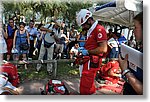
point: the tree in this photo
(65, 10)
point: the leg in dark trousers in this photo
(31, 48)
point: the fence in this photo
(54, 62)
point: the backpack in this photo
(55, 87)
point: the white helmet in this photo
(83, 16)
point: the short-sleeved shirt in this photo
(50, 27)
(32, 31)
(97, 35)
(75, 50)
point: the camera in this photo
(52, 33)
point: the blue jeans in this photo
(114, 53)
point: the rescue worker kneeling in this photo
(92, 52)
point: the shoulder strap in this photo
(7, 28)
(49, 26)
(26, 32)
(16, 27)
(18, 32)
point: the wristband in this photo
(125, 72)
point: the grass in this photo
(64, 71)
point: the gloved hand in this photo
(84, 52)
(80, 49)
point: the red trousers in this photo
(87, 81)
(9, 43)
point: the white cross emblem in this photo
(100, 35)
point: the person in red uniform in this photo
(95, 47)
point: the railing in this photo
(54, 62)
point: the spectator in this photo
(38, 40)
(132, 42)
(74, 51)
(61, 45)
(64, 28)
(109, 34)
(21, 42)
(134, 84)
(3, 46)
(72, 37)
(60, 41)
(82, 38)
(114, 45)
(33, 34)
(49, 36)
(10, 30)
(122, 39)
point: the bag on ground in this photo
(55, 87)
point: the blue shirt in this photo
(32, 32)
(82, 43)
(122, 39)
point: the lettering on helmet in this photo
(87, 15)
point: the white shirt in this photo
(113, 42)
(75, 50)
(50, 28)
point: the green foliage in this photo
(66, 10)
